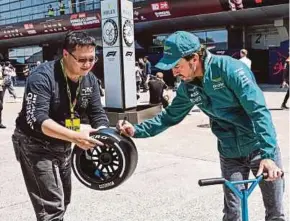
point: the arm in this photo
(241, 81)
(52, 129)
(96, 113)
(172, 115)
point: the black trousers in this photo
(47, 173)
(286, 98)
(1, 105)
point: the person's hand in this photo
(84, 141)
(269, 166)
(284, 84)
(125, 128)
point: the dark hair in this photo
(201, 53)
(7, 63)
(74, 39)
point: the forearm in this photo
(52, 129)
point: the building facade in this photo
(29, 31)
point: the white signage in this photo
(119, 54)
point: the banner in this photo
(78, 21)
(277, 58)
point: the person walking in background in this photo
(244, 58)
(285, 83)
(156, 88)
(138, 73)
(12, 73)
(141, 64)
(147, 72)
(1, 97)
(8, 72)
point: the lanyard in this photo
(73, 103)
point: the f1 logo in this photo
(111, 54)
(129, 54)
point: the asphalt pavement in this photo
(164, 186)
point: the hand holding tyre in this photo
(84, 141)
(105, 167)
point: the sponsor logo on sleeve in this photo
(30, 109)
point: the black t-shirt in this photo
(156, 88)
(46, 97)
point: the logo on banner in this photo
(82, 19)
(111, 54)
(110, 32)
(129, 54)
(128, 33)
(162, 14)
(110, 10)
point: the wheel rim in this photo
(102, 164)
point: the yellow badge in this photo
(73, 124)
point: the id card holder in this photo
(73, 124)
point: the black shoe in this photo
(2, 126)
(284, 107)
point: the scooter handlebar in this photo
(215, 181)
(265, 175)
(211, 181)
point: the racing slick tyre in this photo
(105, 167)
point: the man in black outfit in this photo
(156, 89)
(57, 94)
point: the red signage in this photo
(160, 6)
(70, 22)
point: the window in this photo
(15, 5)
(25, 3)
(15, 13)
(26, 18)
(4, 1)
(217, 36)
(26, 54)
(159, 40)
(13, 20)
(26, 12)
(4, 7)
(5, 15)
(89, 6)
(217, 39)
(36, 2)
(37, 16)
(97, 5)
(201, 36)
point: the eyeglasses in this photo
(83, 61)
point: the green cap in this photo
(177, 46)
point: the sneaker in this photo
(2, 126)
(284, 107)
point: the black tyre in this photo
(108, 166)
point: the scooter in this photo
(242, 194)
